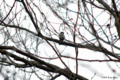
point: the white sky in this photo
(86, 69)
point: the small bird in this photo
(61, 36)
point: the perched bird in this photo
(61, 36)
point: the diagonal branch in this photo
(116, 16)
(107, 7)
(31, 17)
(42, 65)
